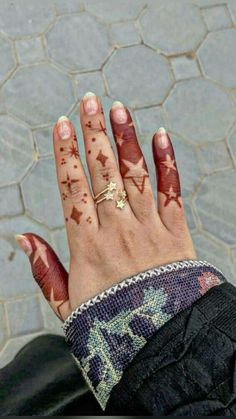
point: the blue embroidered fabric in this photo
(107, 332)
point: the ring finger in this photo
(101, 161)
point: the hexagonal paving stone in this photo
(214, 156)
(217, 17)
(128, 82)
(81, 45)
(173, 27)
(215, 253)
(41, 196)
(3, 327)
(39, 94)
(217, 50)
(200, 110)
(216, 202)
(16, 277)
(149, 120)
(10, 194)
(7, 61)
(113, 11)
(44, 141)
(16, 147)
(30, 50)
(25, 17)
(24, 316)
(90, 82)
(190, 174)
(124, 34)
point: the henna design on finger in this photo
(167, 173)
(76, 215)
(97, 128)
(69, 182)
(106, 176)
(48, 272)
(89, 220)
(132, 163)
(102, 158)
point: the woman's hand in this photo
(114, 237)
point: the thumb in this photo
(48, 272)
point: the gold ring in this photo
(107, 194)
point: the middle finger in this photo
(101, 160)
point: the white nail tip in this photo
(89, 94)
(117, 104)
(63, 118)
(162, 130)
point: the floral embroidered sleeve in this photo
(106, 332)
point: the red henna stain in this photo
(62, 149)
(76, 215)
(74, 137)
(75, 166)
(131, 160)
(69, 182)
(89, 220)
(85, 194)
(97, 128)
(167, 173)
(67, 219)
(88, 124)
(48, 272)
(89, 151)
(106, 176)
(102, 158)
(63, 161)
(93, 139)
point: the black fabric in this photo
(43, 379)
(188, 367)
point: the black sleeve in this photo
(188, 367)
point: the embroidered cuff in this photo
(107, 332)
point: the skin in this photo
(108, 243)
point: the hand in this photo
(114, 237)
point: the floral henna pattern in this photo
(48, 273)
(132, 163)
(167, 173)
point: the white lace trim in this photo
(133, 280)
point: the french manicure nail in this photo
(24, 244)
(90, 103)
(162, 138)
(119, 113)
(64, 128)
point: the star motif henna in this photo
(55, 304)
(169, 164)
(119, 138)
(136, 171)
(40, 252)
(69, 182)
(120, 204)
(171, 195)
(76, 215)
(73, 151)
(102, 158)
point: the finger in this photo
(170, 204)
(78, 205)
(48, 272)
(133, 167)
(101, 160)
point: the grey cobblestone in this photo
(24, 316)
(30, 50)
(10, 194)
(176, 76)
(124, 34)
(217, 17)
(136, 87)
(173, 27)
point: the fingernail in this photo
(162, 138)
(119, 114)
(24, 244)
(64, 128)
(90, 103)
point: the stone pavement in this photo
(173, 62)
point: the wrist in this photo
(106, 332)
